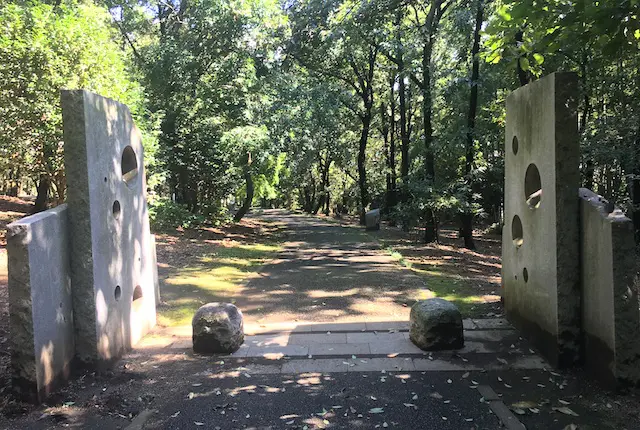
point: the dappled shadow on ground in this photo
(469, 278)
(319, 271)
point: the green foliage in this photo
(166, 215)
(42, 50)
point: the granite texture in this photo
(40, 304)
(436, 324)
(540, 241)
(610, 316)
(217, 328)
(112, 267)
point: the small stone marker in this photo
(372, 219)
(217, 327)
(436, 324)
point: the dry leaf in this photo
(376, 410)
(565, 410)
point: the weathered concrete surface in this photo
(540, 241)
(111, 259)
(41, 316)
(217, 327)
(610, 316)
(436, 324)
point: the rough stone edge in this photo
(568, 218)
(21, 338)
(80, 241)
(626, 356)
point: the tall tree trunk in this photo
(467, 216)
(635, 185)
(249, 197)
(431, 228)
(402, 107)
(43, 194)
(393, 192)
(362, 172)
(384, 131)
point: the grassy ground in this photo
(470, 279)
(209, 265)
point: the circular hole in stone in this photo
(525, 274)
(137, 293)
(516, 231)
(116, 209)
(532, 186)
(514, 145)
(118, 292)
(129, 164)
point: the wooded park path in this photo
(327, 347)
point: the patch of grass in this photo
(218, 276)
(453, 288)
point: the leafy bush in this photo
(165, 214)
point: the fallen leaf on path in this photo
(410, 405)
(466, 375)
(565, 410)
(518, 411)
(376, 410)
(564, 402)
(571, 427)
(436, 395)
(198, 423)
(175, 415)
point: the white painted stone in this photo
(40, 304)
(112, 267)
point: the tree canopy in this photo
(332, 106)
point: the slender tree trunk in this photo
(431, 228)
(467, 216)
(635, 186)
(42, 197)
(393, 194)
(402, 107)
(249, 197)
(362, 172)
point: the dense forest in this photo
(332, 106)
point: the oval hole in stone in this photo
(532, 186)
(116, 209)
(514, 145)
(129, 164)
(118, 292)
(516, 231)
(525, 274)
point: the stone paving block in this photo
(309, 339)
(403, 346)
(267, 340)
(388, 325)
(277, 352)
(331, 327)
(368, 337)
(259, 369)
(181, 344)
(468, 324)
(435, 365)
(478, 347)
(489, 335)
(379, 364)
(241, 352)
(323, 365)
(339, 349)
(492, 324)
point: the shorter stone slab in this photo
(217, 328)
(40, 303)
(489, 335)
(610, 317)
(268, 340)
(436, 324)
(492, 324)
(427, 365)
(372, 219)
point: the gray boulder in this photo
(436, 324)
(372, 219)
(217, 327)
